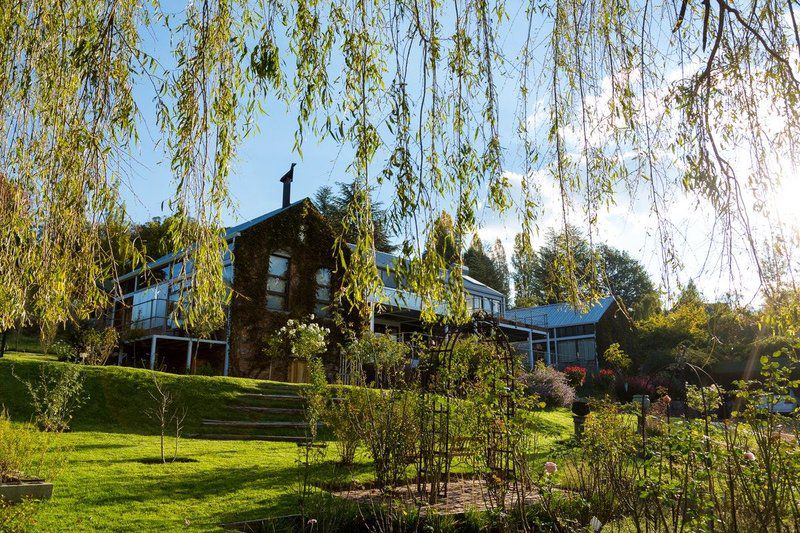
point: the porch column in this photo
(530, 349)
(189, 356)
(372, 318)
(548, 359)
(227, 357)
(153, 341)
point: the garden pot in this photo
(580, 407)
(16, 491)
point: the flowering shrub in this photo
(576, 375)
(550, 385)
(605, 379)
(305, 339)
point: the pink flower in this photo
(550, 467)
(749, 456)
(666, 398)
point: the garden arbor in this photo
(467, 404)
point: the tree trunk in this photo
(3, 343)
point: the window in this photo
(323, 291)
(477, 303)
(277, 282)
(389, 279)
(495, 307)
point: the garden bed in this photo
(463, 494)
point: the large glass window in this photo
(277, 282)
(323, 291)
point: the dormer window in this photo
(277, 282)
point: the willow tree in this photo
(652, 97)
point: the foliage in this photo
(568, 261)
(24, 451)
(55, 396)
(442, 239)
(605, 379)
(386, 357)
(302, 339)
(549, 385)
(386, 419)
(604, 87)
(523, 261)
(705, 400)
(98, 345)
(576, 375)
(488, 268)
(334, 204)
(388, 423)
(342, 419)
(616, 357)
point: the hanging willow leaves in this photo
(653, 99)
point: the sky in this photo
(266, 155)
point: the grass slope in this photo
(106, 487)
(119, 396)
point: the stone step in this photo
(255, 424)
(271, 438)
(268, 410)
(277, 397)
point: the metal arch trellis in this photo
(437, 393)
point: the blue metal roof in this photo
(384, 260)
(560, 314)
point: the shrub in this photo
(23, 450)
(56, 396)
(550, 385)
(605, 379)
(576, 375)
(98, 345)
(342, 418)
(388, 422)
(385, 357)
(616, 357)
(64, 351)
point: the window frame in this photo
(320, 305)
(284, 295)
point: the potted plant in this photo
(24, 454)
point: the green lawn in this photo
(105, 486)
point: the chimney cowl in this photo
(287, 186)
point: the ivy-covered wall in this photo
(302, 233)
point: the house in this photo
(575, 336)
(280, 265)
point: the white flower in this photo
(595, 523)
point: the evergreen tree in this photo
(333, 205)
(480, 265)
(443, 238)
(500, 262)
(543, 277)
(522, 262)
